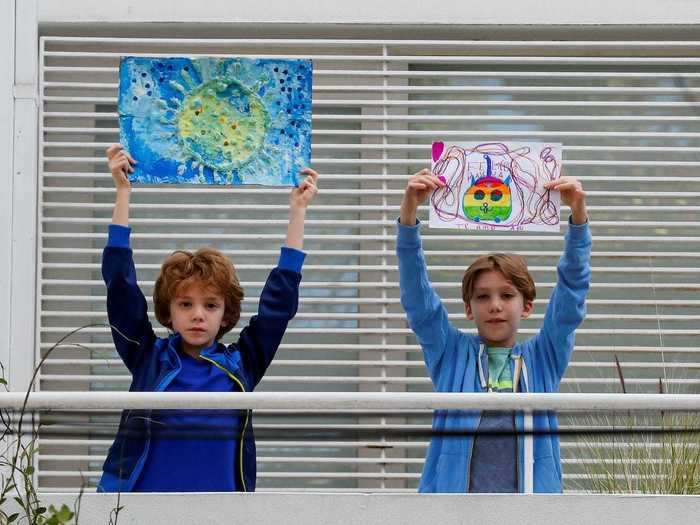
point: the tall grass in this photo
(638, 453)
(641, 454)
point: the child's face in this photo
(497, 307)
(196, 313)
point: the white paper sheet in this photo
(496, 186)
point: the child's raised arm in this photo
(426, 314)
(299, 199)
(279, 298)
(126, 306)
(567, 304)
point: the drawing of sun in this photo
(216, 121)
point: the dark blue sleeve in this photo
(118, 236)
(127, 310)
(291, 259)
(278, 304)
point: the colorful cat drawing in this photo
(488, 198)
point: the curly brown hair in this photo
(207, 267)
(510, 265)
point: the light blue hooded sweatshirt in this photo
(457, 362)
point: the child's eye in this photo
(212, 306)
(482, 297)
(185, 304)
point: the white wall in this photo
(373, 12)
(386, 509)
(7, 77)
(18, 179)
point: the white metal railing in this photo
(348, 401)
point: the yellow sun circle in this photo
(223, 124)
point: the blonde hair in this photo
(510, 265)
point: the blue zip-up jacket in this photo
(154, 362)
(457, 362)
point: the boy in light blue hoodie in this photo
(494, 454)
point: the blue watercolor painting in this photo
(216, 121)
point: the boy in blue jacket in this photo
(495, 455)
(198, 297)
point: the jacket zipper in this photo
(517, 369)
(531, 467)
(245, 424)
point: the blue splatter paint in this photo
(216, 121)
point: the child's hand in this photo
(572, 194)
(302, 195)
(418, 188)
(120, 164)
(299, 199)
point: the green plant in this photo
(18, 459)
(642, 453)
(18, 485)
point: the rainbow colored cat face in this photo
(488, 199)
